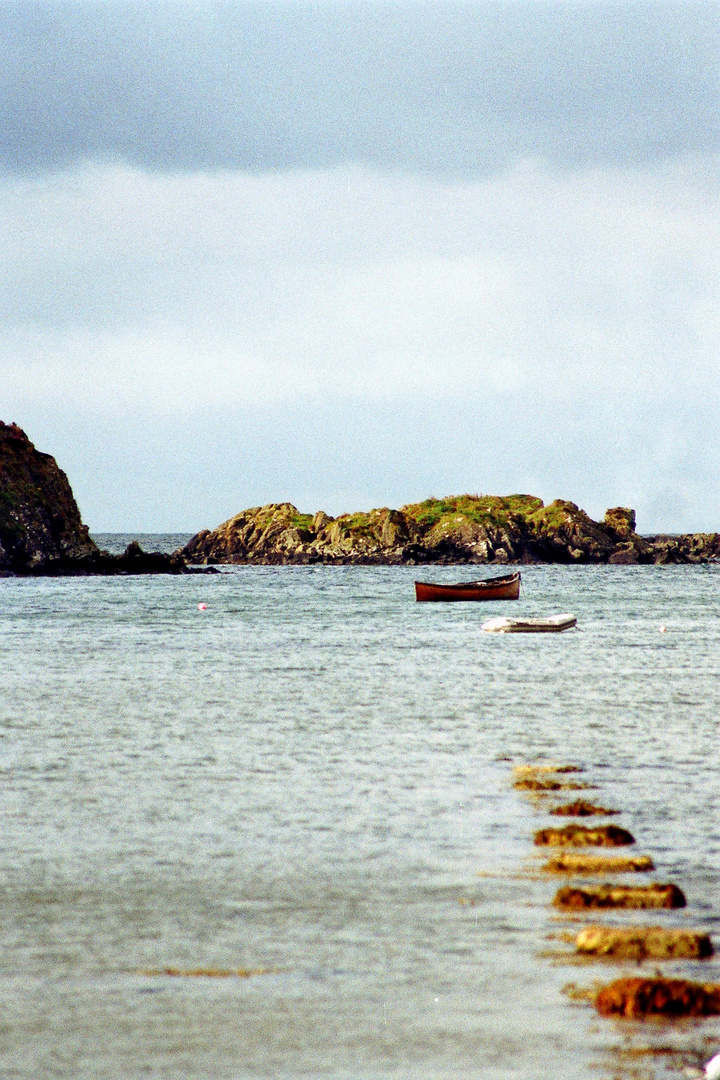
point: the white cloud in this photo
(548, 293)
(188, 289)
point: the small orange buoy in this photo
(202, 607)
(662, 629)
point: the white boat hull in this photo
(552, 625)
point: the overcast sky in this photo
(356, 254)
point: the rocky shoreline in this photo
(517, 529)
(41, 531)
(42, 534)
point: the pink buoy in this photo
(202, 607)
(662, 629)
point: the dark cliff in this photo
(41, 531)
(463, 529)
(40, 524)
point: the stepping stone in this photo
(643, 943)
(598, 864)
(638, 999)
(584, 836)
(570, 898)
(580, 808)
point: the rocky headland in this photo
(465, 529)
(41, 531)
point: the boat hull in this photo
(504, 588)
(555, 624)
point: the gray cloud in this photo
(355, 254)
(451, 88)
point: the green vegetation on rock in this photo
(483, 509)
(457, 529)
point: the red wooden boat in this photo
(497, 588)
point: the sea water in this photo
(311, 780)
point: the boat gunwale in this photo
(482, 583)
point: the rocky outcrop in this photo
(644, 943)
(581, 808)
(690, 548)
(40, 524)
(541, 785)
(570, 898)
(584, 836)
(465, 529)
(41, 531)
(132, 561)
(638, 999)
(599, 864)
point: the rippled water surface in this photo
(313, 778)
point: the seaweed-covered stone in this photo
(535, 783)
(641, 999)
(635, 897)
(643, 943)
(584, 836)
(598, 864)
(581, 808)
(540, 784)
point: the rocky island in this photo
(41, 531)
(463, 529)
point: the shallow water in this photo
(313, 777)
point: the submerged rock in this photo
(581, 808)
(639, 999)
(584, 836)
(133, 561)
(643, 943)
(547, 783)
(598, 864)
(547, 767)
(534, 783)
(635, 897)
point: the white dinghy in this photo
(552, 625)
